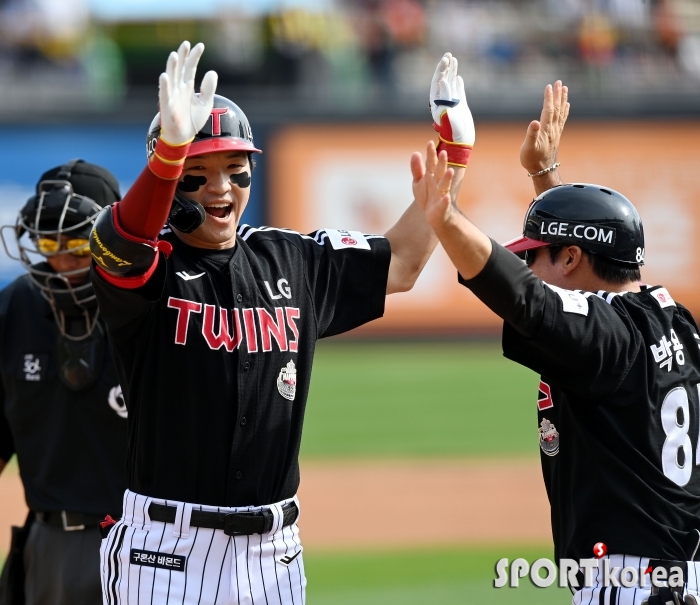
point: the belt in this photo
(69, 521)
(232, 524)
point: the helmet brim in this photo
(215, 145)
(522, 243)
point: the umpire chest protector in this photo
(65, 440)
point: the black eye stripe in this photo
(191, 183)
(242, 179)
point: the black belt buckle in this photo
(269, 520)
(246, 524)
(228, 524)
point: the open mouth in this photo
(220, 211)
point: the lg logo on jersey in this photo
(283, 287)
(231, 326)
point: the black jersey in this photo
(618, 409)
(216, 361)
(71, 446)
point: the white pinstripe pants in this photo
(613, 595)
(208, 567)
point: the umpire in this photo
(61, 409)
(618, 407)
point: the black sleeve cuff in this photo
(508, 287)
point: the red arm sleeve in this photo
(145, 208)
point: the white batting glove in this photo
(452, 118)
(182, 112)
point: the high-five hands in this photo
(432, 180)
(452, 118)
(541, 145)
(182, 112)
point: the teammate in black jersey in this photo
(214, 326)
(618, 407)
(61, 409)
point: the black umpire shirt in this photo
(71, 446)
(215, 356)
(618, 408)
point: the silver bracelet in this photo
(546, 170)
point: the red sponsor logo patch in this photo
(662, 297)
(544, 398)
(348, 241)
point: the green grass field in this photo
(447, 576)
(434, 400)
(419, 399)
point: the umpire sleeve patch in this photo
(340, 239)
(573, 302)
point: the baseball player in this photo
(214, 326)
(619, 397)
(61, 409)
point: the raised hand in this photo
(541, 145)
(451, 115)
(432, 180)
(182, 112)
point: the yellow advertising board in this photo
(357, 177)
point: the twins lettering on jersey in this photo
(544, 397)
(258, 325)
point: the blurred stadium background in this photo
(336, 91)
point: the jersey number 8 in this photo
(677, 452)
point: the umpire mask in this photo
(57, 221)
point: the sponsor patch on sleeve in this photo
(662, 297)
(340, 239)
(573, 302)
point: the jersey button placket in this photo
(239, 298)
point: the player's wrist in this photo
(544, 171)
(175, 142)
(168, 160)
(442, 222)
(458, 154)
(533, 163)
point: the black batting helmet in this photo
(227, 129)
(597, 219)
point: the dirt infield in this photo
(396, 503)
